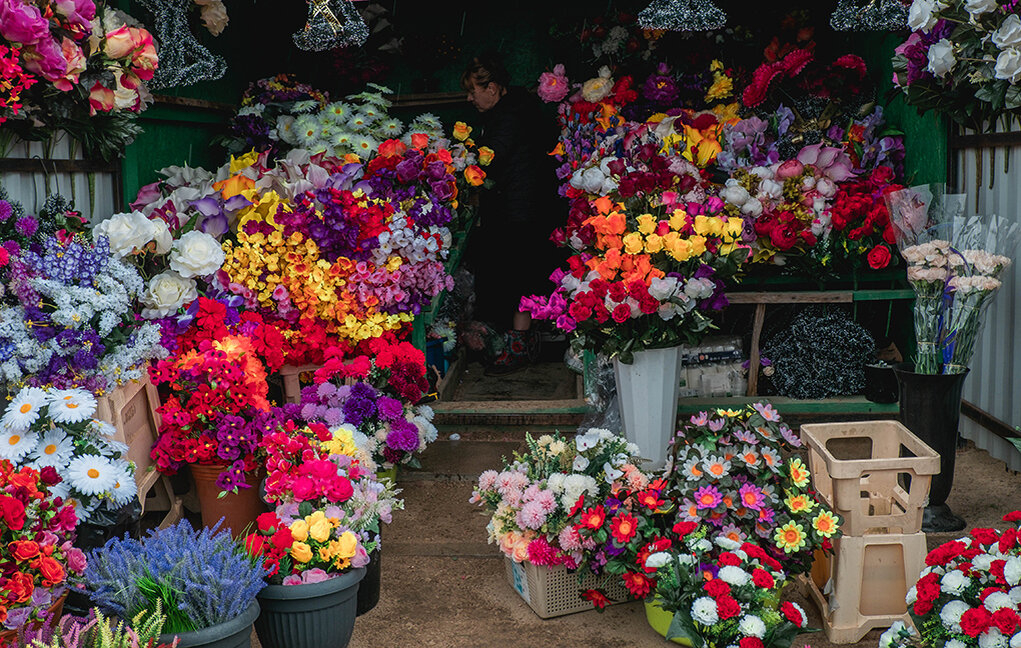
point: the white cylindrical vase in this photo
(647, 391)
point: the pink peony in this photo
(21, 22)
(553, 86)
(292, 579)
(790, 169)
(78, 12)
(46, 59)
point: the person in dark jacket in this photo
(510, 250)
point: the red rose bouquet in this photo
(969, 594)
(36, 556)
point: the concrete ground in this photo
(443, 586)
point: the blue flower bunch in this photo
(203, 578)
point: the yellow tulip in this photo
(301, 552)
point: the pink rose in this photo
(304, 488)
(553, 86)
(101, 99)
(143, 59)
(314, 575)
(21, 22)
(75, 65)
(119, 42)
(292, 579)
(46, 59)
(76, 561)
(790, 169)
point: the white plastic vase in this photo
(647, 391)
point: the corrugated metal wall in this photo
(991, 177)
(95, 193)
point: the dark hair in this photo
(484, 69)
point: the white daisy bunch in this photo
(968, 595)
(55, 428)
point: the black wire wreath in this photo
(821, 353)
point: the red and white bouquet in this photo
(969, 593)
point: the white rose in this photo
(941, 57)
(735, 194)
(770, 189)
(161, 234)
(595, 90)
(128, 232)
(662, 289)
(196, 254)
(921, 15)
(1009, 32)
(826, 187)
(167, 292)
(979, 7)
(1008, 65)
(753, 207)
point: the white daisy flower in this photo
(338, 112)
(308, 105)
(359, 122)
(704, 611)
(71, 405)
(91, 475)
(16, 444)
(306, 129)
(54, 449)
(24, 410)
(392, 127)
(124, 487)
(372, 113)
(364, 146)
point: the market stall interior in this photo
(361, 322)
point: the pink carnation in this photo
(531, 516)
(553, 86)
(487, 480)
(569, 539)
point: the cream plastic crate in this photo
(862, 469)
(131, 409)
(869, 580)
(555, 591)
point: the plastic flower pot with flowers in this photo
(533, 502)
(316, 544)
(37, 558)
(202, 580)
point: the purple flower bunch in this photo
(751, 142)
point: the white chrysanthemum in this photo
(954, 582)
(752, 626)
(24, 410)
(54, 449)
(363, 146)
(734, 575)
(657, 560)
(704, 611)
(305, 106)
(124, 487)
(359, 122)
(71, 405)
(338, 112)
(998, 600)
(1012, 570)
(16, 444)
(306, 129)
(392, 127)
(429, 121)
(91, 475)
(955, 643)
(951, 614)
(1015, 641)
(992, 638)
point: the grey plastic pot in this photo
(318, 615)
(236, 633)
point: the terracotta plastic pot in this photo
(316, 615)
(236, 633)
(238, 510)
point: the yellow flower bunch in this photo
(313, 539)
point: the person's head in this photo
(485, 80)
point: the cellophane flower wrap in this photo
(37, 558)
(724, 594)
(968, 594)
(533, 498)
(79, 67)
(217, 412)
(730, 469)
(375, 396)
(954, 265)
(329, 504)
(55, 428)
(69, 315)
(962, 60)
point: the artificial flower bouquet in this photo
(77, 66)
(329, 505)
(968, 595)
(962, 59)
(533, 499)
(954, 265)
(72, 321)
(724, 594)
(198, 578)
(36, 534)
(728, 468)
(97, 630)
(376, 396)
(55, 428)
(217, 412)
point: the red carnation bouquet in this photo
(969, 594)
(36, 556)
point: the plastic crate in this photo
(874, 474)
(556, 591)
(131, 409)
(869, 577)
